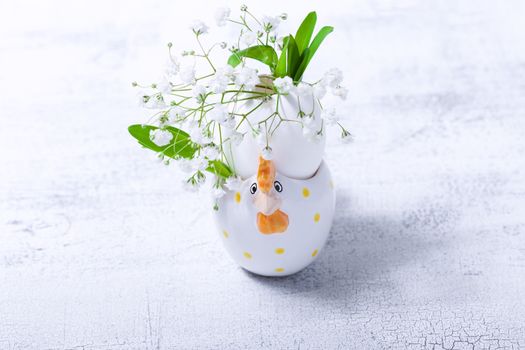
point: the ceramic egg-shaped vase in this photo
(274, 225)
(277, 222)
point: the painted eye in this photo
(278, 187)
(253, 188)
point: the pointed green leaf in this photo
(180, 145)
(321, 35)
(263, 53)
(280, 70)
(304, 63)
(305, 31)
(293, 57)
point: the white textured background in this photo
(100, 249)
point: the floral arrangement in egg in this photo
(250, 127)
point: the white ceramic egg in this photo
(289, 145)
(274, 225)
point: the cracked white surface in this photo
(100, 249)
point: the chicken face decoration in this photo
(275, 225)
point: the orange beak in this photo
(269, 218)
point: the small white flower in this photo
(346, 137)
(199, 163)
(332, 77)
(153, 102)
(270, 24)
(223, 45)
(172, 67)
(175, 113)
(283, 85)
(311, 133)
(196, 133)
(319, 91)
(219, 83)
(266, 153)
(248, 38)
(340, 92)
(246, 77)
(221, 15)
(185, 165)
(236, 138)
(280, 43)
(160, 137)
(187, 74)
(218, 114)
(217, 193)
(189, 186)
(199, 93)
(330, 116)
(164, 86)
(211, 152)
(304, 90)
(199, 27)
(233, 183)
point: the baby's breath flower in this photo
(233, 183)
(223, 45)
(217, 192)
(160, 137)
(283, 85)
(211, 152)
(187, 74)
(199, 27)
(199, 93)
(319, 91)
(266, 153)
(218, 114)
(199, 163)
(284, 16)
(172, 67)
(248, 38)
(244, 8)
(311, 133)
(332, 78)
(185, 165)
(340, 92)
(270, 24)
(175, 114)
(330, 115)
(346, 137)
(304, 90)
(221, 79)
(221, 15)
(246, 77)
(236, 138)
(197, 134)
(164, 86)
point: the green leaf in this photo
(293, 57)
(321, 35)
(219, 168)
(180, 145)
(280, 70)
(304, 63)
(305, 31)
(263, 53)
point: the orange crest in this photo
(265, 175)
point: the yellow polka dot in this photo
(238, 197)
(279, 269)
(317, 217)
(247, 255)
(315, 252)
(306, 192)
(279, 251)
(225, 233)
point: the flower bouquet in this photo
(249, 127)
